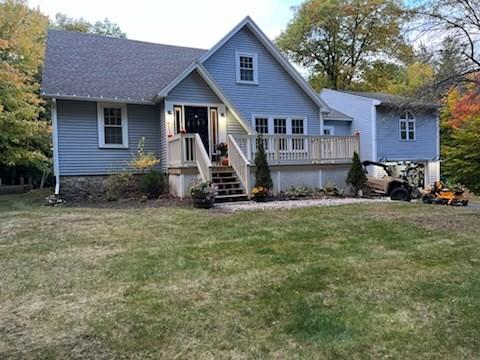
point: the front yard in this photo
(356, 281)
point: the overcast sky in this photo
(196, 23)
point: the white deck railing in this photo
(187, 150)
(239, 162)
(291, 149)
(203, 160)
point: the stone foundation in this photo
(81, 188)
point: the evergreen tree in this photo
(356, 176)
(262, 173)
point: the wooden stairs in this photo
(228, 185)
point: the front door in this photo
(196, 121)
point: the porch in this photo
(186, 152)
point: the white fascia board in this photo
(274, 52)
(96, 99)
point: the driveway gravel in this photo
(291, 204)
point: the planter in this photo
(224, 161)
(262, 198)
(203, 202)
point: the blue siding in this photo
(78, 149)
(389, 145)
(341, 128)
(193, 89)
(276, 93)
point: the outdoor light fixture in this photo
(169, 112)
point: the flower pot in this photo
(224, 161)
(203, 202)
(260, 199)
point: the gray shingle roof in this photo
(87, 65)
(394, 100)
(337, 115)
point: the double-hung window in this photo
(280, 128)
(298, 143)
(246, 65)
(112, 126)
(407, 126)
(261, 125)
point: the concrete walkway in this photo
(292, 204)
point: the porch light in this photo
(169, 112)
(222, 114)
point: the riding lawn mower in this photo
(441, 195)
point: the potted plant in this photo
(222, 150)
(260, 193)
(203, 194)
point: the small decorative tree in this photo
(356, 176)
(263, 178)
(142, 161)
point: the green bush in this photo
(356, 176)
(120, 186)
(262, 170)
(152, 184)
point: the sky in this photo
(191, 23)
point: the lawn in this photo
(386, 280)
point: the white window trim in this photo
(101, 125)
(407, 121)
(255, 67)
(329, 127)
(289, 118)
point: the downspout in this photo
(56, 166)
(374, 132)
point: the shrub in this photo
(262, 170)
(144, 161)
(299, 192)
(152, 184)
(332, 189)
(120, 186)
(356, 176)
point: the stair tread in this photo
(232, 195)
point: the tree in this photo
(105, 27)
(460, 134)
(262, 170)
(24, 138)
(335, 39)
(458, 22)
(462, 157)
(356, 175)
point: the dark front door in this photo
(196, 121)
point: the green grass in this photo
(385, 280)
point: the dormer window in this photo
(246, 64)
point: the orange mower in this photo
(441, 195)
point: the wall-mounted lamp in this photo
(169, 112)
(222, 114)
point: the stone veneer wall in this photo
(83, 187)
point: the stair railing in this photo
(239, 162)
(204, 164)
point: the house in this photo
(106, 94)
(392, 129)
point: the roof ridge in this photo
(120, 39)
